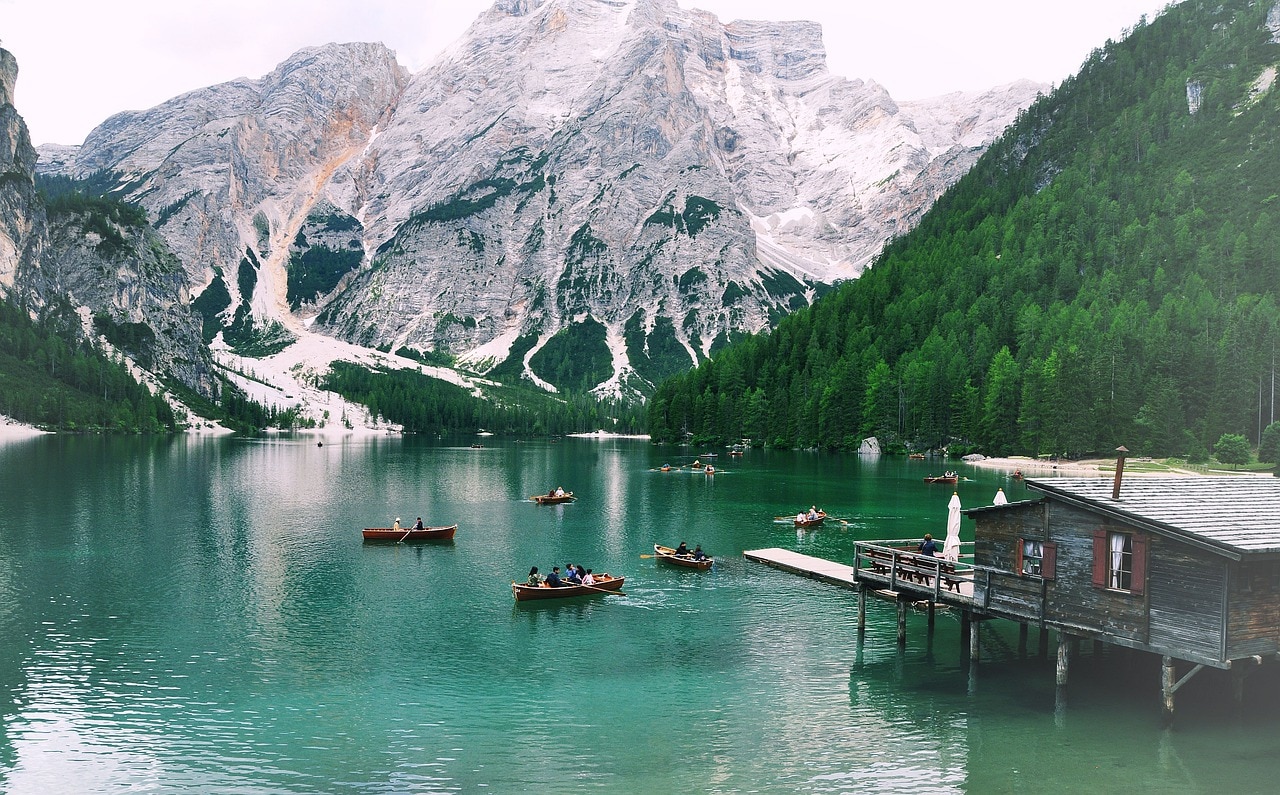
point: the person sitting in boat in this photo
(696, 464)
(682, 551)
(396, 525)
(559, 491)
(553, 579)
(928, 546)
(418, 524)
(572, 574)
(813, 512)
(698, 554)
(534, 578)
(587, 579)
(800, 517)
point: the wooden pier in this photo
(806, 565)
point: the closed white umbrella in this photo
(951, 547)
(1000, 498)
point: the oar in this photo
(601, 590)
(646, 557)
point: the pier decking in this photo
(806, 565)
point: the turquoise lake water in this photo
(201, 615)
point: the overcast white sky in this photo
(80, 61)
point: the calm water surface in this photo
(198, 614)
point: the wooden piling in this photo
(862, 607)
(1064, 658)
(902, 620)
(1022, 639)
(974, 641)
(1168, 678)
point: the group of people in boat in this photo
(682, 551)
(572, 575)
(558, 491)
(813, 514)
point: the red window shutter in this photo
(1050, 560)
(1139, 581)
(1100, 557)
(1017, 556)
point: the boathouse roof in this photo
(1236, 516)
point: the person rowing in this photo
(682, 551)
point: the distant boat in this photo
(916, 456)
(477, 446)
(553, 499)
(665, 467)
(440, 533)
(950, 477)
(604, 584)
(710, 470)
(708, 455)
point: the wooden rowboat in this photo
(441, 533)
(942, 479)
(552, 499)
(668, 555)
(604, 585)
(814, 522)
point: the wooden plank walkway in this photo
(806, 565)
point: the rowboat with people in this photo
(604, 584)
(948, 477)
(553, 497)
(689, 560)
(810, 519)
(439, 533)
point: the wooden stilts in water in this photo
(1043, 643)
(1064, 658)
(975, 640)
(902, 620)
(862, 607)
(932, 605)
(1022, 639)
(1168, 675)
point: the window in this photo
(1032, 555)
(1119, 560)
(1035, 558)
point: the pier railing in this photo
(896, 564)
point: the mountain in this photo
(97, 277)
(589, 194)
(1107, 274)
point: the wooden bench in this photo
(912, 567)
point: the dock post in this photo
(932, 609)
(1237, 691)
(1043, 643)
(862, 607)
(1022, 639)
(974, 640)
(1168, 677)
(1064, 658)
(902, 620)
(966, 626)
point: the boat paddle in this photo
(601, 590)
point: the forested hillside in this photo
(1107, 274)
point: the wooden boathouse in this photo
(1184, 568)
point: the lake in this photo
(200, 614)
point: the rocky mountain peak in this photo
(642, 180)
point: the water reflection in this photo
(208, 618)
